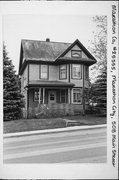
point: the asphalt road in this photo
(79, 146)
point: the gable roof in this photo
(77, 42)
(42, 50)
(48, 51)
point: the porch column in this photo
(43, 95)
(69, 97)
(39, 94)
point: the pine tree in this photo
(12, 97)
(99, 91)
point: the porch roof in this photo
(47, 83)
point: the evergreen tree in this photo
(98, 88)
(12, 98)
(99, 92)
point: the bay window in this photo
(76, 71)
(77, 95)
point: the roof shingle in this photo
(42, 50)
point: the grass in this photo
(51, 123)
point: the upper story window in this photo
(76, 71)
(76, 53)
(43, 71)
(63, 71)
(86, 72)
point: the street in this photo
(79, 146)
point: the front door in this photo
(52, 96)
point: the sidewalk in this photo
(48, 131)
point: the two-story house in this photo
(54, 74)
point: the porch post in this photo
(69, 96)
(43, 95)
(39, 94)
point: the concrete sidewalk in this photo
(57, 130)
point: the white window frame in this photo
(73, 95)
(41, 71)
(37, 95)
(75, 77)
(76, 53)
(61, 66)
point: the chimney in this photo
(47, 39)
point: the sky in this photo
(59, 28)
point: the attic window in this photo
(76, 53)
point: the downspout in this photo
(83, 92)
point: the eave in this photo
(34, 62)
(68, 60)
(47, 83)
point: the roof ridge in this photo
(45, 41)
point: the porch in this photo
(54, 110)
(52, 100)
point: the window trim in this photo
(60, 71)
(47, 72)
(73, 50)
(73, 96)
(65, 96)
(72, 72)
(34, 95)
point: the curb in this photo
(48, 131)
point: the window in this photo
(43, 72)
(63, 96)
(86, 73)
(77, 95)
(63, 71)
(76, 53)
(76, 71)
(52, 97)
(36, 94)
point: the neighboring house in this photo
(54, 74)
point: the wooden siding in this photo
(33, 72)
(68, 54)
(53, 72)
(24, 82)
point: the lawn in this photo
(51, 123)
